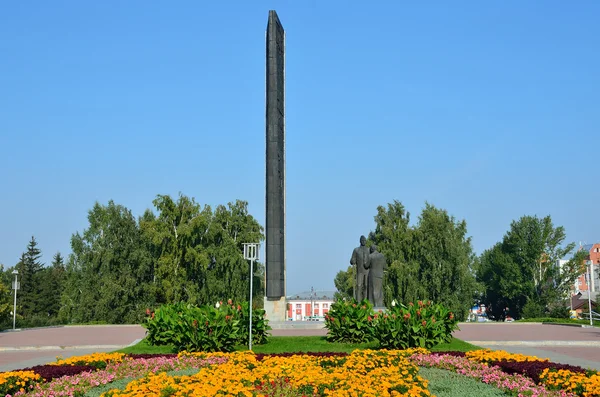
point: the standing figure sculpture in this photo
(360, 259)
(376, 266)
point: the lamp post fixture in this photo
(251, 253)
(312, 302)
(16, 285)
(589, 267)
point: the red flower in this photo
(420, 303)
(195, 323)
(369, 319)
(424, 323)
(407, 316)
(451, 316)
(411, 304)
(147, 312)
(419, 312)
(153, 315)
(239, 307)
(229, 302)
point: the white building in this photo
(309, 305)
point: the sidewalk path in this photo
(563, 344)
(29, 347)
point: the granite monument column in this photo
(275, 304)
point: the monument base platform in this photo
(275, 309)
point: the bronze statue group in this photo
(370, 265)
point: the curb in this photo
(566, 325)
(536, 343)
(80, 347)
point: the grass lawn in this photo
(305, 344)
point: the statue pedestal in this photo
(275, 309)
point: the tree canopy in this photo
(433, 259)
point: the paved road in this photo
(525, 332)
(572, 345)
(26, 348)
(559, 343)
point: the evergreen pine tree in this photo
(29, 266)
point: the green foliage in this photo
(5, 300)
(532, 309)
(344, 284)
(109, 273)
(432, 260)
(260, 325)
(204, 328)
(422, 325)
(121, 265)
(29, 268)
(520, 272)
(443, 383)
(350, 321)
(198, 252)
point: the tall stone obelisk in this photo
(275, 302)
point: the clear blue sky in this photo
(490, 111)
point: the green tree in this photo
(432, 260)
(109, 270)
(177, 236)
(446, 258)
(344, 283)
(521, 271)
(51, 280)
(394, 237)
(6, 304)
(198, 253)
(29, 266)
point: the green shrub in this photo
(260, 325)
(206, 328)
(422, 325)
(350, 321)
(533, 309)
(163, 324)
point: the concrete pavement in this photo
(37, 346)
(563, 344)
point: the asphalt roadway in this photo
(564, 344)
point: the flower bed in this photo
(61, 383)
(511, 384)
(363, 372)
(582, 384)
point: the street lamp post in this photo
(16, 286)
(589, 264)
(251, 253)
(312, 303)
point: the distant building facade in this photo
(309, 305)
(590, 282)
